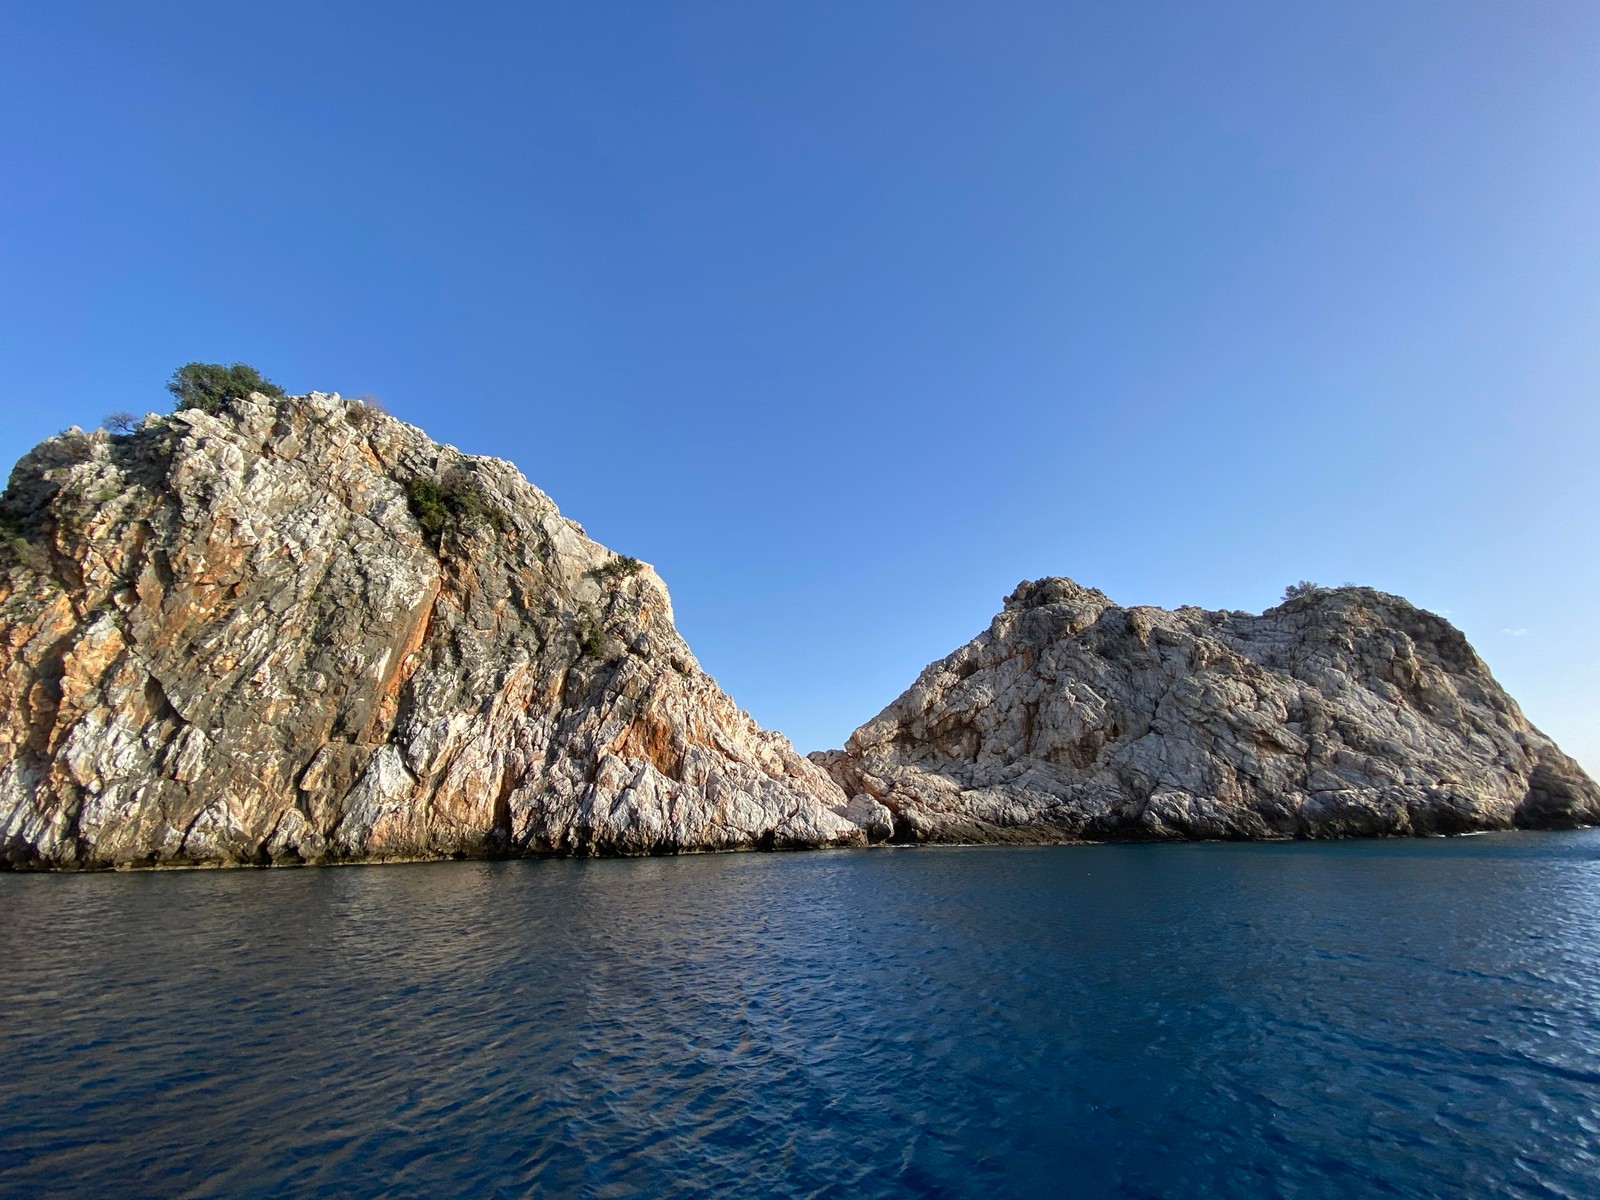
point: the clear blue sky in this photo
(850, 316)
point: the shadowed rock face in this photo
(301, 630)
(1342, 712)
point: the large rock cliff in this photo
(301, 630)
(1341, 712)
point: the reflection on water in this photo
(1395, 1018)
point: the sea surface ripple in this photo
(1401, 1018)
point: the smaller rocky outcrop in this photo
(1342, 712)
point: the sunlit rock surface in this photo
(1342, 712)
(299, 630)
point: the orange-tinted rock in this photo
(231, 638)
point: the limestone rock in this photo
(1341, 712)
(301, 630)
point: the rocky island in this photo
(1342, 712)
(295, 629)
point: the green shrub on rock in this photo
(619, 568)
(455, 499)
(208, 386)
(592, 641)
(428, 505)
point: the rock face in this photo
(300, 630)
(1341, 712)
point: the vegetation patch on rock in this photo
(208, 386)
(452, 502)
(623, 566)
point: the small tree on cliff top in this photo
(208, 386)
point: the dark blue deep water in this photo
(1404, 1018)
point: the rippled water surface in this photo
(1392, 1018)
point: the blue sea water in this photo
(1399, 1018)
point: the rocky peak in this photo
(1054, 590)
